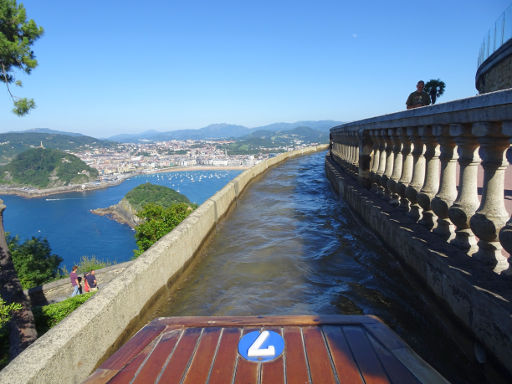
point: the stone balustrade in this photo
(445, 165)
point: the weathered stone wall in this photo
(70, 351)
(479, 298)
(496, 72)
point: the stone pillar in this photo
(407, 168)
(491, 216)
(356, 153)
(467, 199)
(354, 156)
(390, 159)
(343, 148)
(431, 184)
(382, 162)
(418, 173)
(365, 150)
(376, 159)
(397, 166)
(448, 188)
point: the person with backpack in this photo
(91, 280)
(86, 283)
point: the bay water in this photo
(73, 231)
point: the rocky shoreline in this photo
(121, 212)
(28, 192)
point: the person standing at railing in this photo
(419, 97)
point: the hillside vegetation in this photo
(146, 193)
(46, 168)
(14, 143)
(267, 141)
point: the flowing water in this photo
(291, 247)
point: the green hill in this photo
(46, 168)
(13, 143)
(268, 141)
(157, 194)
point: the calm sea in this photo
(73, 231)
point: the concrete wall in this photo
(70, 351)
(479, 298)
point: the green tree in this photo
(33, 260)
(158, 221)
(16, 38)
(434, 88)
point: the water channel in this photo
(291, 247)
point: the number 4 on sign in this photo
(255, 349)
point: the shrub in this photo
(5, 311)
(50, 315)
(5, 316)
(158, 221)
(87, 264)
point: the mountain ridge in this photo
(222, 131)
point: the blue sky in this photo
(109, 67)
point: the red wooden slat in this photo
(318, 356)
(395, 369)
(100, 376)
(158, 357)
(273, 371)
(202, 360)
(365, 356)
(246, 371)
(346, 367)
(136, 344)
(181, 356)
(128, 372)
(296, 367)
(222, 371)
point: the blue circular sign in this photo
(261, 346)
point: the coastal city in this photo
(126, 159)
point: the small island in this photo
(125, 212)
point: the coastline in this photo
(91, 186)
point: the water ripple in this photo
(292, 247)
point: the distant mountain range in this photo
(221, 131)
(52, 131)
(272, 135)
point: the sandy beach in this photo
(33, 192)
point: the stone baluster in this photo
(448, 188)
(348, 148)
(353, 152)
(342, 148)
(390, 158)
(431, 184)
(364, 153)
(407, 168)
(491, 216)
(418, 173)
(467, 198)
(397, 166)
(376, 160)
(382, 162)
